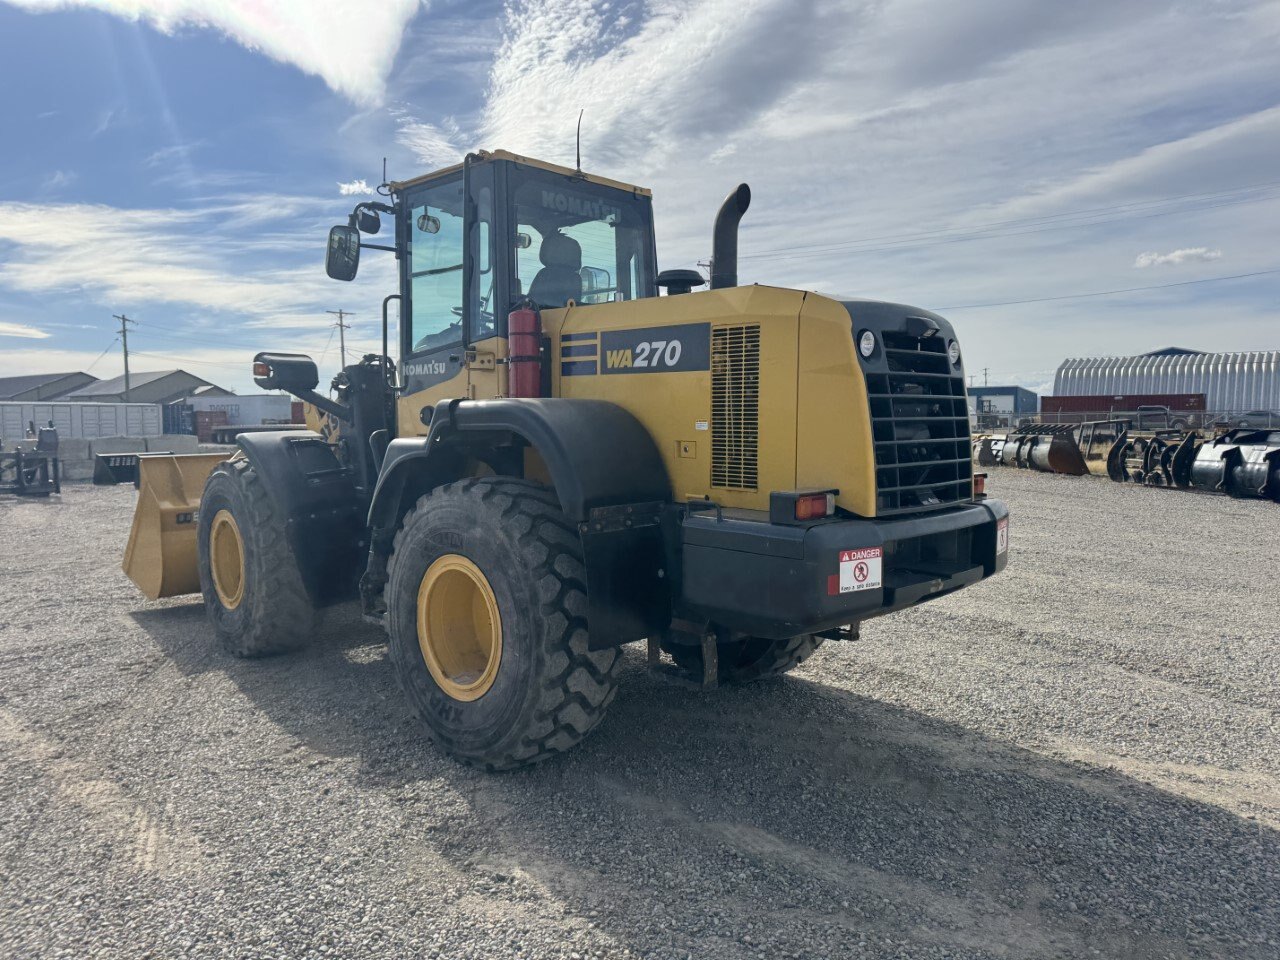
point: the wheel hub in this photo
(459, 628)
(226, 559)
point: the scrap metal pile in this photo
(1238, 463)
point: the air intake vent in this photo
(735, 406)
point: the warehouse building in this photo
(1232, 383)
(43, 386)
(158, 386)
(995, 407)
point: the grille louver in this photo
(921, 427)
(735, 406)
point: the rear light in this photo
(979, 484)
(261, 369)
(801, 506)
(814, 506)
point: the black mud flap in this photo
(628, 585)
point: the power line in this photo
(186, 360)
(101, 355)
(982, 231)
(1109, 293)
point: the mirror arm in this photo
(331, 407)
(376, 246)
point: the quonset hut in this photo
(1231, 382)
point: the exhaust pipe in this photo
(724, 251)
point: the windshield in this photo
(579, 241)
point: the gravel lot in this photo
(1077, 758)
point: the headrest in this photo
(560, 251)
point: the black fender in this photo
(605, 470)
(316, 497)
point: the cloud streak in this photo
(351, 46)
(1174, 257)
(21, 330)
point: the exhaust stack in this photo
(724, 252)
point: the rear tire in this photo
(748, 659)
(262, 608)
(486, 608)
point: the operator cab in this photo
(477, 239)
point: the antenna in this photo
(580, 113)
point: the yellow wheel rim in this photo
(226, 559)
(459, 629)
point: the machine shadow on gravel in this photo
(787, 804)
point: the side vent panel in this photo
(735, 406)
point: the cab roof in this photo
(485, 156)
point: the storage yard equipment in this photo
(562, 462)
(1047, 447)
(1240, 463)
(32, 473)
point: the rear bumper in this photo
(779, 581)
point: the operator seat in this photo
(559, 280)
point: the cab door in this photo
(449, 335)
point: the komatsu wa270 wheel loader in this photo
(563, 461)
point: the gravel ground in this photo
(1077, 758)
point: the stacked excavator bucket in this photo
(1047, 447)
(1241, 463)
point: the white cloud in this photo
(355, 188)
(21, 330)
(1184, 255)
(351, 46)
(434, 146)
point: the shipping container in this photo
(1124, 403)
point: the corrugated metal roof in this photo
(1229, 381)
(13, 386)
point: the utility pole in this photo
(342, 330)
(124, 341)
(984, 376)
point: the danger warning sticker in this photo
(1002, 536)
(860, 570)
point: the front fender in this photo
(316, 498)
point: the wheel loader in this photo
(575, 452)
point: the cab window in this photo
(436, 268)
(580, 241)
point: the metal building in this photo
(1231, 382)
(82, 420)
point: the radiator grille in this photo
(735, 406)
(921, 427)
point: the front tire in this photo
(249, 578)
(486, 608)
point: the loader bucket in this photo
(1058, 454)
(161, 554)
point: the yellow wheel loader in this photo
(563, 461)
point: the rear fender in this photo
(606, 473)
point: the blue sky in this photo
(181, 161)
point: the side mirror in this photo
(342, 259)
(368, 220)
(290, 372)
